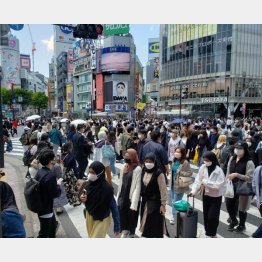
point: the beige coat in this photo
(183, 170)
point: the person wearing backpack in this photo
(24, 139)
(49, 190)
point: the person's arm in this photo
(53, 189)
(115, 215)
(162, 188)
(136, 194)
(249, 172)
(197, 184)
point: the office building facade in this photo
(211, 69)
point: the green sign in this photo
(116, 29)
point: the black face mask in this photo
(128, 161)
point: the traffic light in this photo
(90, 31)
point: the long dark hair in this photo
(183, 155)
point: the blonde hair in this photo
(222, 139)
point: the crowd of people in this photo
(156, 155)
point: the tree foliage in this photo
(39, 100)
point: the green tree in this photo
(39, 100)
(25, 94)
(6, 96)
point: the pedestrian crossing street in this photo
(76, 213)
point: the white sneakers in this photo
(172, 221)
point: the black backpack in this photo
(32, 194)
(27, 157)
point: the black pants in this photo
(83, 163)
(211, 211)
(232, 207)
(128, 218)
(47, 227)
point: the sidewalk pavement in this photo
(15, 173)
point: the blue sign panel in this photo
(66, 30)
(17, 27)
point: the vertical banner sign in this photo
(70, 66)
(99, 92)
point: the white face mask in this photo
(239, 152)
(149, 165)
(177, 155)
(92, 177)
(249, 144)
(207, 163)
(140, 136)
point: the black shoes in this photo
(240, 229)
(232, 225)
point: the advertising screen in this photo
(180, 33)
(120, 91)
(83, 48)
(25, 62)
(115, 59)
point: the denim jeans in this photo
(258, 233)
(175, 197)
(112, 165)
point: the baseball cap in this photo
(241, 145)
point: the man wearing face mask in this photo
(142, 134)
(240, 167)
(49, 189)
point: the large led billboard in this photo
(180, 33)
(115, 59)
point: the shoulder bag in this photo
(244, 188)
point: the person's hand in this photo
(132, 209)
(162, 210)
(190, 194)
(83, 197)
(232, 176)
(246, 178)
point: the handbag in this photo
(183, 181)
(244, 188)
(107, 151)
(229, 190)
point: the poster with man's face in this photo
(120, 91)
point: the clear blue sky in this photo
(42, 36)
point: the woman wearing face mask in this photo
(128, 195)
(211, 182)
(180, 168)
(154, 197)
(240, 167)
(99, 200)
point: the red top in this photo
(15, 124)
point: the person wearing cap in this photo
(240, 167)
(99, 200)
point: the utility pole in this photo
(227, 100)
(1, 125)
(13, 101)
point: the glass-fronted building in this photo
(211, 67)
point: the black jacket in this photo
(48, 189)
(81, 148)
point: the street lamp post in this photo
(180, 101)
(1, 125)
(227, 100)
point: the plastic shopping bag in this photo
(229, 190)
(195, 159)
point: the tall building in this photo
(152, 69)
(116, 75)
(211, 69)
